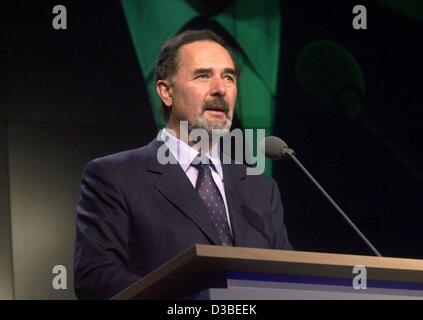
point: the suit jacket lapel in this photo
(233, 176)
(243, 218)
(176, 187)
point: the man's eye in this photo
(229, 77)
(202, 76)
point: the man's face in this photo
(203, 90)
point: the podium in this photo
(208, 272)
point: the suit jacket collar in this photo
(185, 154)
(176, 187)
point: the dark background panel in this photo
(6, 268)
(87, 73)
(365, 177)
(46, 163)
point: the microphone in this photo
(331, 75)
(276, 149)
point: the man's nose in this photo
(218, 87)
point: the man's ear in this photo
(164, 90)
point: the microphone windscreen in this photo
(273, 147)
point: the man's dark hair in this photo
(167, 60)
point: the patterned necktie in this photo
(210, 194)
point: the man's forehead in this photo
(204, 52)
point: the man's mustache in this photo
(216, 104)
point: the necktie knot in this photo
(202, 163)
(201, 160)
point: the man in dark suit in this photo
(136, 212)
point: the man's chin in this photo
(213, 127)
(219, 131)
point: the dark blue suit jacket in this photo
(135, 214)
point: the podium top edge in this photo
(199, 260)
(334, 259)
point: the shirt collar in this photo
(184, 153)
